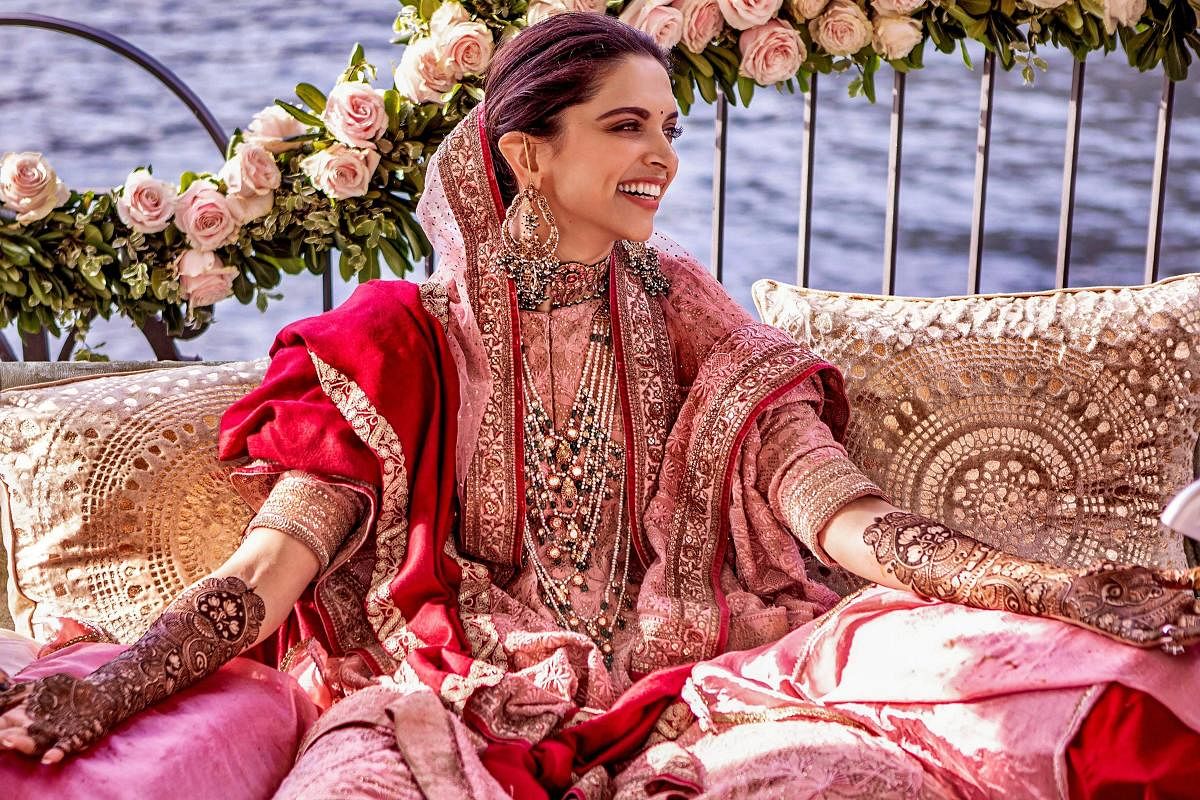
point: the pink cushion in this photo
(232, 736)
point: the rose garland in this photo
(345, 171)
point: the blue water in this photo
(97, 116)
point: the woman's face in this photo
(606, 173)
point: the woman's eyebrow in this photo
(635, 110)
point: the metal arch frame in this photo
(131, 53)
(36, 347)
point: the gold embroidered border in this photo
(490, 527)
(391, 538)
(817, 496)
(751, 363)
(649, 380)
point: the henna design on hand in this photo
(939, 562)
(206, 626)
(1130, 603)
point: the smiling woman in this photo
(556, 521)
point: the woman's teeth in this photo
(651, 190)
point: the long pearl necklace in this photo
(568, 477)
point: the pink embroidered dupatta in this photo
(367, 395)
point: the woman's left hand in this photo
(1137, 605)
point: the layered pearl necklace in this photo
(568, 477)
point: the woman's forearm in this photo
(904, 550)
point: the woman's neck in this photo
(583, 252)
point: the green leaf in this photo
(707, 87)
(966, 55)
(15, 253)
(345, 268)
(292, 265)
(392, 255)
(699, 63)
(186, 180)
(745, 89)
(357, 56)
(311, 96)
(426, 9)
(300, 114)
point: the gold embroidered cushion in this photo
(1056, 425)
(113, 498)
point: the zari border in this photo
(491, 522)
(755, 365)
(391, 538)
(642, 349)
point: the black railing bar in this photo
(327, 288)
(1066, 216)
(36, 346)
(1158, 188)
(164, 345)
(891, 225)
(430, 265)
(983, 148)
(720, 145)
(6, 351)
(132, 53)
(808, 149)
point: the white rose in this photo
(146, 204)
(771, 52)
(658, 19)
(895, 37)
(354, 114)
(30, 187)
(1122, 12)
(203, 278)
(423, 75)
(543, 9)
(843, 29)
(702, 22)
(744, 14)
(446, 16)
(271, 126)
(341, 172)
(205, 217)
(807, 9)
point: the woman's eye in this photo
(674, 133)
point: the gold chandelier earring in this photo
(526, 257)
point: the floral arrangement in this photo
(344, 172)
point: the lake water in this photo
(97, 116)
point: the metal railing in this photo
(36, 347)
(987, 85)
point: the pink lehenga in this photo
(434, 638)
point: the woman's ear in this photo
(520, 151)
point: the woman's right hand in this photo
(53, 717)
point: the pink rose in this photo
(354, 113)
(895, 37)
(145, 203)
(468, 48)
(542, 9)
(807, 9)
(203, 278)
(744, 14)
(843, 29)
(423, 75)
(341, 172)
(204, 216)
(654, 17)
(30, 187)
(702, 22)
(771, 52)
(271, 126)
(252, 171)
(896, 8)
(247, 209)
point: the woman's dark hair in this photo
(549, 67)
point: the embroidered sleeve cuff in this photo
(817, 487)
(320, 515)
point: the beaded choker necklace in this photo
(568, 477)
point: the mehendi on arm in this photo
(1134, 604)
(208, 625)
